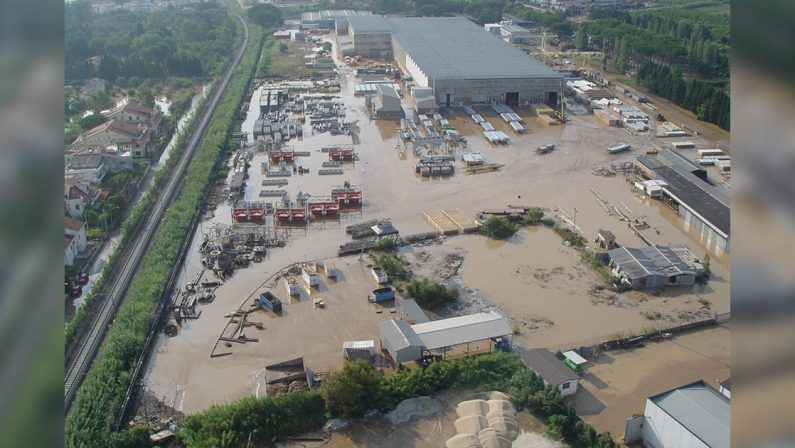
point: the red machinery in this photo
(341, 154)
(286, 215)
(324, 209)
(347, 196)
(277, 156)
(249, 212)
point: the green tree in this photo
(146, 97)
(283, 47)
(701, 112)
(498, 228)
(266, 16)
(581, 38)
(352, 391)
(92, 121)
(108, 67)
(534, 216)
(431, 295)
(99, 102)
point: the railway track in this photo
(114, 293)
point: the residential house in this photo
(695, 415)
(80, 194)
(132, 112)
(126, 136)
(93, 162)
(75, 241)
(554, 371)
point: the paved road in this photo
(116, 290)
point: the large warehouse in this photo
(461, 62)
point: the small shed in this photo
(385, 229)
(386, 103)
(552, 370)
(606, 239)
(353, 350)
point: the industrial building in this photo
(386, 102)
(554, 371)
(328, 18)
(459, 61)
(695, 415)
(462, 335)
(687, 188)
(652, 267)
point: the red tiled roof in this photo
(73, 224)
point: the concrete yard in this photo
(617, 383)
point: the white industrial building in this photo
(691, 416)
(462, 335)
(459, 61)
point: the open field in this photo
(617, 383)
(531, 278)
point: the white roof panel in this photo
(462, 329)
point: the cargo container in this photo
(683, 145)
(543, 149)
(270, 302)
(382, 295)
(710, 152)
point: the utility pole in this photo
(574, 229)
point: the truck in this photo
(379, 275)
(270, 302)
(381, 295)
(621, 147)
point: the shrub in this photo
(384, 245)
(431, 295)
(569, 235)
(352, 391)
(534, 216)
(394, 266)
(498, 228)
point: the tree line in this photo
(708, 102)
(703, 38)
(149, 45)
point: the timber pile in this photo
(274, 182)
(330, 171)
(449, 222)
(485, 168)
(604, 172)
(363, 229)
(355, 247)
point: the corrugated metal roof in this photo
(546, 364)
(413, 311)
(454, 48)
(460, 330)
(399, 334)
(649, 261)
(705, 412)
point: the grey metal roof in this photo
(649, 261)
(546, 364)
(370, 25)
(413, 311)
(462, 329)
(514, 29)
(455, 48)
(332, 14)
(705, 412)
(398, 334)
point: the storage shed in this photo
(464, 334)
(650, 267)
(552, 370)
(399, 341)
(386, 103)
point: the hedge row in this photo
(98, 401)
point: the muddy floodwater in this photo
(541, 285)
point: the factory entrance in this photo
(511, 98)
(552, 99)
(448, 100)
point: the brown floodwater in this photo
(532, 278)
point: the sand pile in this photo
(485, 423)
(414, 407)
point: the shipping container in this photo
(269, 301)
(619, 148)
(382, 294)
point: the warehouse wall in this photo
(467, 91)
(660, 430)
